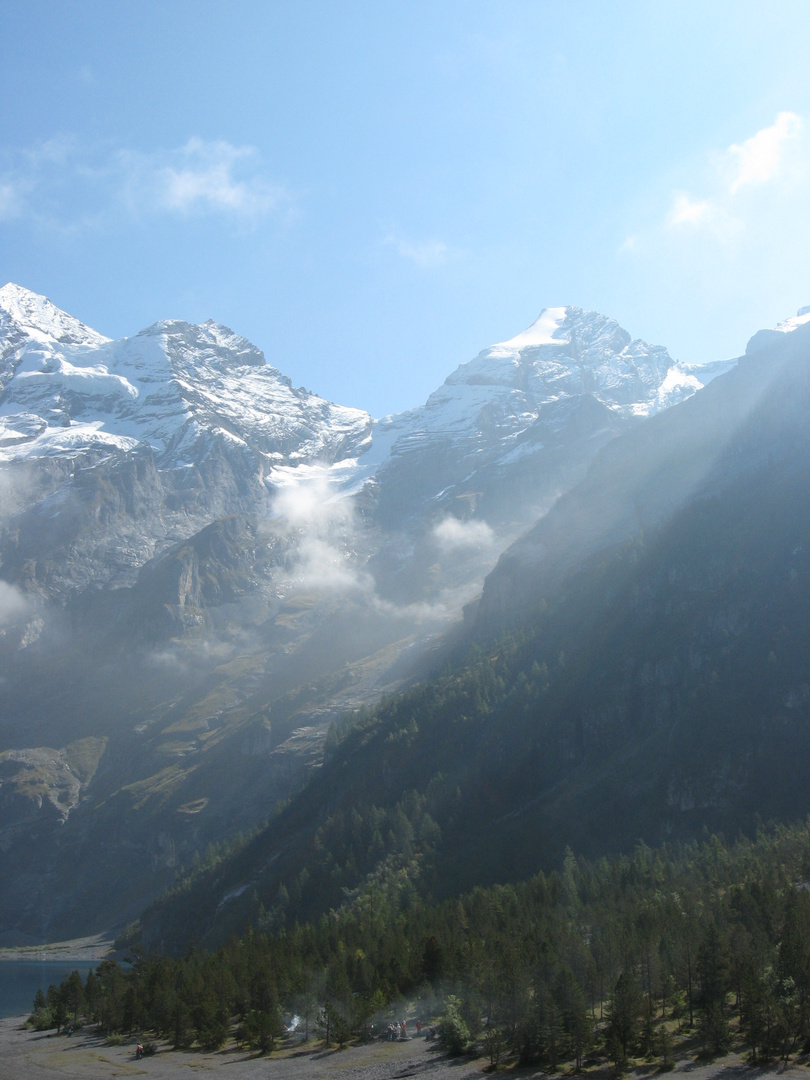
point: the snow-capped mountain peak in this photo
(565, 354)
(174, 387)
(39, 319)
(212, 343)
(801, 317)
(787, 335)
(181, 388)
(547, 329)
(572, 377)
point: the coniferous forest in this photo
(689, 948)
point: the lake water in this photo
(20, 980)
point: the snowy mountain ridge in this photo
(173, 386)
(523, 395)
(41, 319)
(67, 389)
(568, 351)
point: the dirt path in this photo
(27, 1055)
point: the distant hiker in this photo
(418, 1028)
(138, 1051)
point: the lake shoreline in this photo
(84, 950)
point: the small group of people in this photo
(400, 1031)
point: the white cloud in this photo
(204, 178)
(324, 526)
(325, 567)
(327, 539)
(426, 254)
(61, 150)
(452, 534)
(11, 200)
(687, 211)
(309, 502)
(759, 159)
(13, 604)
(51, 183)
(758, 164)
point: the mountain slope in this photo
(755, 411)
(658, 682)
(201, 567)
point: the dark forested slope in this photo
(660, 686)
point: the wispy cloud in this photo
(760, 158)
(452, 534)
(324, 526)
(206, 177)
(688, 211)
(723, 249)
(52, 183)
(11, 200)
(13, 604)
(737, 193)
(327, 537)
(426, 254)
(754, 163)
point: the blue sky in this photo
(373, 192)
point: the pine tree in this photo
(624, 1016)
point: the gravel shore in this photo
(28, 1055)
(81, 950)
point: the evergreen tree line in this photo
(616, 958)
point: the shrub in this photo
(495, 1044)
(453, 1031)
(42, 1019)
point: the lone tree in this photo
(714, 977)
(625, 1016)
